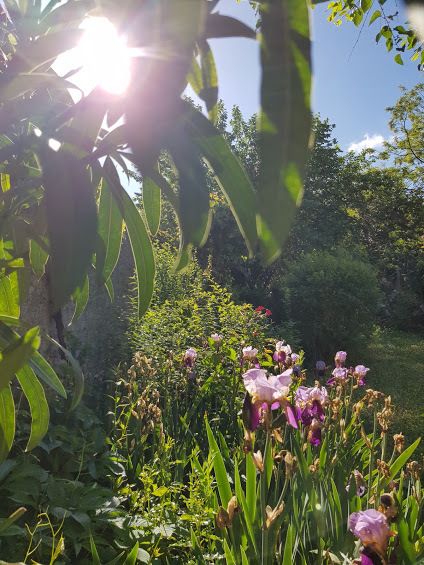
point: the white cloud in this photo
(368, 142)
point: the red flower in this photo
(268, 313)
(259, 308)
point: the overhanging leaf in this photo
(16, 355)
(151, 204)
(110, 231)
(140, 242)
(195, 214)
(80, 297)
(38, 406)
(285, 118)
(72, 222)
(7, 422)
(228, 172)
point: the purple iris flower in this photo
(310, 410)
(340, 358)
(190, 357)
(371, 527)
(320, 368)
(281, 352)
(361, 372)
(251, 414)
(250, 354)
(271, 391)
(315, 433)
(339, 374)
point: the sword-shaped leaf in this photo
(80, 297)
(110, 230)
(38, 406)
(228, 172)
(195, 213)
(151, 204)
(72, 222)
(285, 119)
(7, 422)
(140, 242)
(15, 355)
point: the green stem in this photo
(371, 465)
(383, 453)
(264, 549)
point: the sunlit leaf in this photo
(228, 172)
(38, 406)
(285, 118)
(7, 422)
(110, 231)
(80, 297)
(209, 90)
(16, 355)
(139, 239)
(151, 204)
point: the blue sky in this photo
(354, 79)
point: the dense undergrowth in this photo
(166, 462)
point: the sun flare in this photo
(103, 56)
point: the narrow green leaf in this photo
(139, 239)
(7, 421)
(241, 499)
(222, 482)
(195, 213)
(218, 25)
(194, 76)
(285, 118)
(8, 304)
(405, 542)
(6, 522)
(402, 459)
(209, 91)
(251, 487)
(42, 369)
(38, 258)
(151, 204)
(244, 560)
(72, 222)
(94, 552)
(45, 372)
(5, 182)
(38, 248)
(228, 173)
(109, 288)
(80, 297)
(288, 547)
(38, 406)
(229, 557)
(132, 557)
(16, 355)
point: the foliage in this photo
(334, 299)
(63, 206)
(402, 39)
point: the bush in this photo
(333, 300)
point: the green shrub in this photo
(333, 301)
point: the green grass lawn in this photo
(396, 361)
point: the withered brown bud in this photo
(273, 514)
(399, 440)
(383, 468)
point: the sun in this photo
(103, 56)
